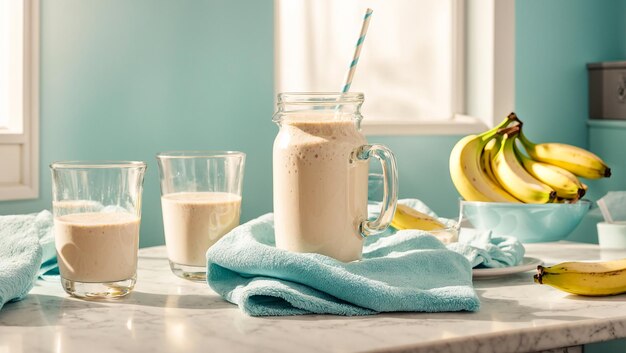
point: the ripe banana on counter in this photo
(577, 160)
(566, 184)
(512, 175)
(409, 218)
(467, 173)
(585, 278)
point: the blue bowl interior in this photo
(530, 223)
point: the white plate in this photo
(527, 264)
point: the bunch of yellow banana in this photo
(492, 167)
(585, 278)
(468, 170)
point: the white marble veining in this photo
(166, 314)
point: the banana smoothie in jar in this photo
(320, 169)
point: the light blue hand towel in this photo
(408, 271)
(26, 252)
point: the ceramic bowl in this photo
(530, 223)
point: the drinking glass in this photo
(201, 202)
(97, 212)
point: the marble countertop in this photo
(166, 314)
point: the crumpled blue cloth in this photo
(408, 271)
(481, 247)
(26, 253)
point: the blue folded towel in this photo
(409, 271)
(26, 252)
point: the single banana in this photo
(490, 150)
(409, 218)
(467, 174)
(566, 184)
(575, 159)
(585, 278)
(512, 175)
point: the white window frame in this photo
(26, 135)
(484, 50)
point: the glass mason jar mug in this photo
(320, 175)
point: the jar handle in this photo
(390, 188)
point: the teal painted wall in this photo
(124, 80)
(423, 170)
(127, 79)
(554, 42)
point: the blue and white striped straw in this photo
(357, 50)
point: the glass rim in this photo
(97, 164)
(199, 154)
(320, 97)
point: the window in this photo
(19, 77)
(427, 67)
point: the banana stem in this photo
(539, 276)
(513, 117)
(525, 141)
(510, 131)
